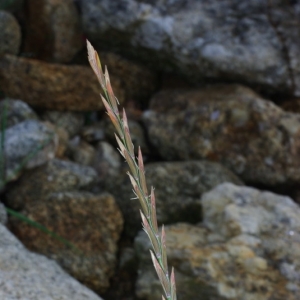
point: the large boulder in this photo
(250, 41)
(229, 124)
(179, 186)
(26, 275)
(247, 248)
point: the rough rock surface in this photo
(137, 80)
(10, 34)
(248, 248)
(52, 30)
(232, 125)
(70, 87)
(179, 186)
(56, 176)
(52, 86)
(26, 275)
(72, 122)
(251, 41)
(92, 223)
(26, 145)
(15, 111)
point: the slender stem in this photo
(137, 178)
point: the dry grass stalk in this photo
(137, 178)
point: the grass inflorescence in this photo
(137, 177)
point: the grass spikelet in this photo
(137, 178)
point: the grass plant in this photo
(137, 178)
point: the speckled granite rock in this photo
(15, 111)
(26, 275)
(10, 34)
(26, 145)
(179, 186)
(247, 248)
(249, 41)
(92, 223)
(55, 176)
(229, 124)
(52, 30)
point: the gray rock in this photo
(3, 214)
(229, 124)
(15, 111)
(26, 275)
(55, 176)
(247, 248)
(10, 34)
(26, 145)
(179, 186)
(72, 122)
(91, 223)
(249, 41)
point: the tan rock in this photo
(52, 86)
(91, 223)
(52, 30)
(230, 124)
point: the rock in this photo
(92, 223)
(52, 30)
(53, 86)
(26, 275)
(103, 158)
(72, 122)
(107, 161)
(55, 176)
(229, 124)
(137, 80)
(229, 40)
(178, 187)
(247, 248)
(136, 131)
(15, 111)
(81, 152)
(63, 140)
(93, 133)
(10, 34)
(3, 214)
(27, 145)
